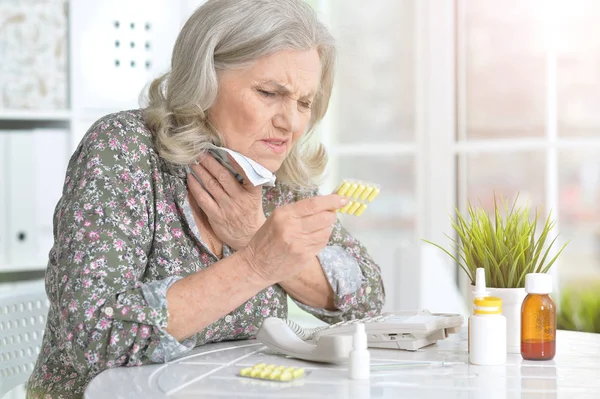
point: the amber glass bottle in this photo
(538, 319)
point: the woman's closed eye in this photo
(265, 93)
(304, 105)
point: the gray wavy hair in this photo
(226, 34)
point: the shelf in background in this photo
(34, 115)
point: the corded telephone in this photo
(408, 330)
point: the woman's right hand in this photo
(291, 237)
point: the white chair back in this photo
(22, 322)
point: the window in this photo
(529, 90)
(444, 102)
(370, 127)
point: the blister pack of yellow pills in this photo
(272, 372)
(359, 192)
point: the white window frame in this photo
(434, 133)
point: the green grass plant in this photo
(505, 243)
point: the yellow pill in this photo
(298, 373)
(246, 372)
(358, 191)
(343, 188)
(275, 375)
(286, 376)
(373, 194)
(265, 373)
(366, 193)
(360, 210)
(351, 190)
(346, 207)
(260, 365)
(288, 370)
(255, 372)
(270, 367)
(279, 368)
(353, 208)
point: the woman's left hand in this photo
(235, 210)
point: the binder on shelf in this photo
(50, 176)
(35, 167)
(20, 197)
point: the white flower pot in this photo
(512, 299)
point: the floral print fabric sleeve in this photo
(105, 232)
(155, 293)
(352, 274)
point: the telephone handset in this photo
(408, 330)
(277, 334)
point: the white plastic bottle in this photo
(360, 358)
(487, 339)
(480, 292)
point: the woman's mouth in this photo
(277, 146)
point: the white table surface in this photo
(210, 372)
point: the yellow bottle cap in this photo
(488, 305)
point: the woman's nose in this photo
(287, 117)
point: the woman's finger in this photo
(245, 181)
(202, 197)
(210, 183)
(224, 177)
(318, 203)
(321, 236)
(318, 221)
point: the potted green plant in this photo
(508, 245)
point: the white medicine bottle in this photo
(487, 339)
(359, 365)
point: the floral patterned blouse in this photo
(124, 232)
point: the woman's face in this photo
(263, 109)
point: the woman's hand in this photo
(292, 237)
(234, 211)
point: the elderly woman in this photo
(147, 262)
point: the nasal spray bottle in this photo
(487, 327)
(360, 358)
(480, 292)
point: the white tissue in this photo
(257, 174)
